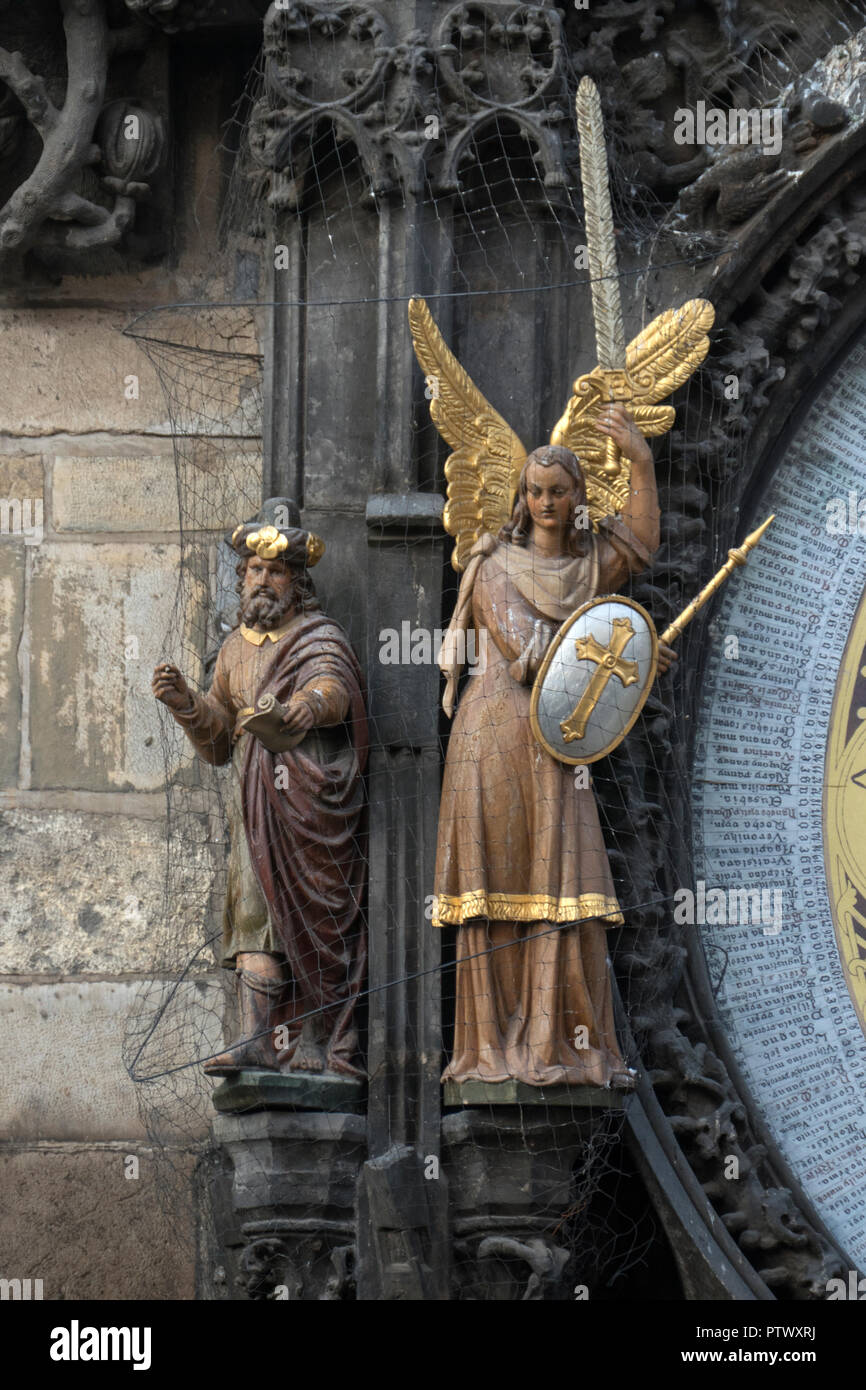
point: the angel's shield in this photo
(594, 680)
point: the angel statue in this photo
(521, 865)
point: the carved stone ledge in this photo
(520, 1093)
(270, 1090)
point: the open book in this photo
(266, 722)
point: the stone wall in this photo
(88, 576)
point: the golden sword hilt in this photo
(736, 557)
(618, 390)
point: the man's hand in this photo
(169, 686)
(616, 422)
(667, 656)
(298, 718)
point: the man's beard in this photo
(266, 611)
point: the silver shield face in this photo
(594, 680)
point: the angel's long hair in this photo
(517, 530)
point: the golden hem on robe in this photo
(525, 907)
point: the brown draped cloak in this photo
(298, 857)
(520, 849)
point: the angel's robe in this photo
(297, 860)
(521, 862)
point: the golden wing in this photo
(657, 362)
(664, 355)
(483, 471)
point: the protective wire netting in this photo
(505, 231)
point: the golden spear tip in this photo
(753, 539)
(735, 557)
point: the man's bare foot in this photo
(248, 1054)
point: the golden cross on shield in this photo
(608, 663)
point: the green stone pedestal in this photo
(519, 1093)
(271, 1090)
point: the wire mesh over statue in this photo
(509, 252)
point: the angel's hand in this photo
(616, 422)
(667, 656)
(542, 636)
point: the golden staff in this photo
(736, 557)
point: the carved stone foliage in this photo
(73, 163)
(172, 15)
(410, 103)
(282, 1263)
(712, 1126)
(653, 58)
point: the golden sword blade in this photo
(601, 246)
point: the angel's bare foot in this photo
(625, 1080)
(343, 1067)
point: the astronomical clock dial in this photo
(780, 807)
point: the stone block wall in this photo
(89, 550)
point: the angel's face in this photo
(550, 496)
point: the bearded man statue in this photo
(292, 926)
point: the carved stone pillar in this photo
(293, 1197)
(403, 1214)
(510, 1180)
